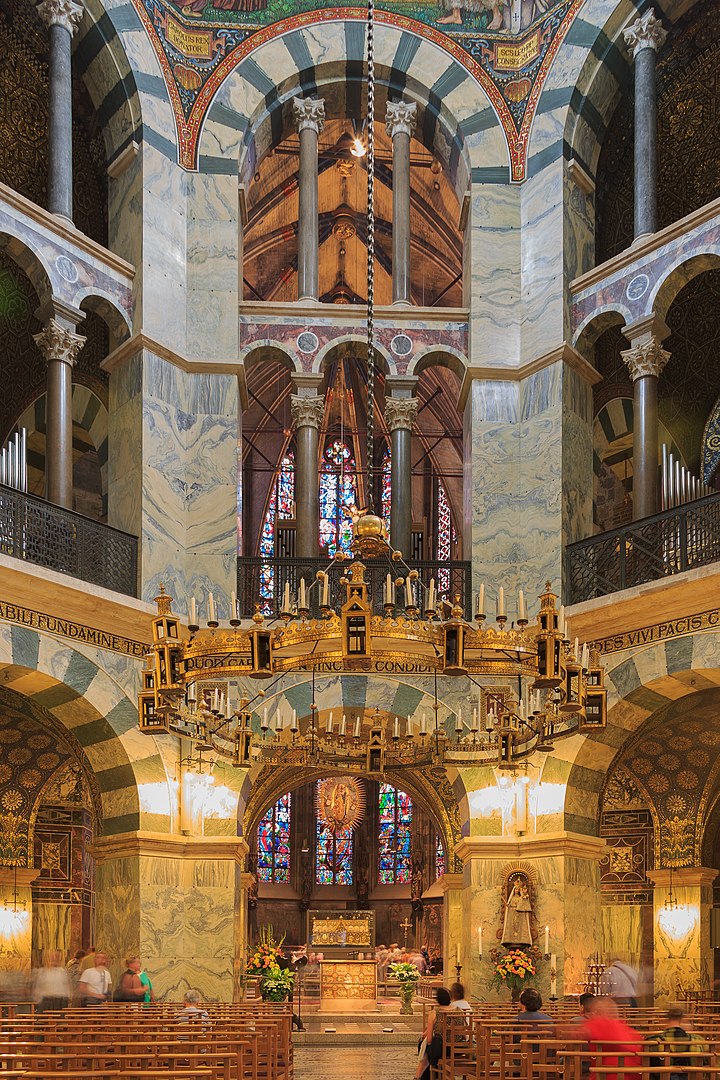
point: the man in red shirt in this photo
(613, 1041)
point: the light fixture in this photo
(13, 919)
(358, 148)
(526, 685)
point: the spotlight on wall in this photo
(358, 148)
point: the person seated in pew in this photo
(191, 1011)
(431, 1046)
(677, 1041)
(531, 1002)
(457, 1000)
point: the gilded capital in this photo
(309, 113)
(400, 413)
(55, 342)
(645, 33)
(61, 13)
(649, 358)
(307, 411)
(400, 118)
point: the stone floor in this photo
(361, 1062)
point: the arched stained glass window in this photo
(338, 489)
(446, 537)
(385, 497)
(333, 855)
(439, 857)
(395, 814)
(273, 842)
(281, 506)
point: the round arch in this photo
(351, 344)
(31, 263)
(678, 276)
(266, 118)
(85, 700)
(428, 789)
(446, 357)
(638, 687)
(258, 352)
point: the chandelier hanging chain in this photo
(370, 448)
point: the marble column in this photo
(681, 942)
(453, 923)
(645, 360)
(176, 901)
(307, 414)
(400, 415)
(645, 38)
(310, 119)
(400, 122)
(62, 17)
(60, 347)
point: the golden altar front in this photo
(348, 986)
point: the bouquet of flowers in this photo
(514, 969)
(404, 973)
(266, 954)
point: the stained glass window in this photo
(446, 537)
(439, 857)
(333, 855)
(281, 506)
(338, 489)
(273, 842)
(395, 814)
(385, 500)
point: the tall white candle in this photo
(389, 597)
(431, 603)
(264, 724)
(522, 613)
(329, 725)
(286, 597)
(457, 952)
(459, 721)
(233, 606)
(358, 725)
(325, 598)
(480, 942)
(302, 597)
(396, 729)
(408, 728)
(481, 601)
(474, 721)
(409, 600)
(294, 721)
(342, 726)
(561, 620)
(547, 940)
(193, 611)
(501, 602)
(211, 608)
(228, 707)
(423, 724)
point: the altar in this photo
(348, 986)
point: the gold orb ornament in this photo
(369, 536)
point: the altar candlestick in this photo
(547, 940)
(553, 976)
(211, 608)
(457, 952)
(480, 942)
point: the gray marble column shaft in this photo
(645, 37)
(60, 347)
(310, 117)
(62, 17)
(645, 361)
(400, 415)
(400, 123)
(307, 414)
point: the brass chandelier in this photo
(529, 685)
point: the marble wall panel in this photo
(491, 275)
(212, 267)
(542, 261)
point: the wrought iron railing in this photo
(656, 547)
(47, 535)
(263, 581)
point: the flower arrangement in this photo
(514, 969)
(277, 984)
(404, 972)
(407, 975)
(266, 954)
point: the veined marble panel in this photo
(493, 277)
(542, 262)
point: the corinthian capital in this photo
(649, 358)
(307, 411)
(400, 118)
(400, 413)
(61, 13)
(57, 343)
(645, 33)
(309, 113)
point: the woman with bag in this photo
(135, 984)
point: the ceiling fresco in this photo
(507, 46)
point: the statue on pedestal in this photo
(518, 910)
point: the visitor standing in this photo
(96, 982)
(620, 982)
(135, 983)
(52, 987)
